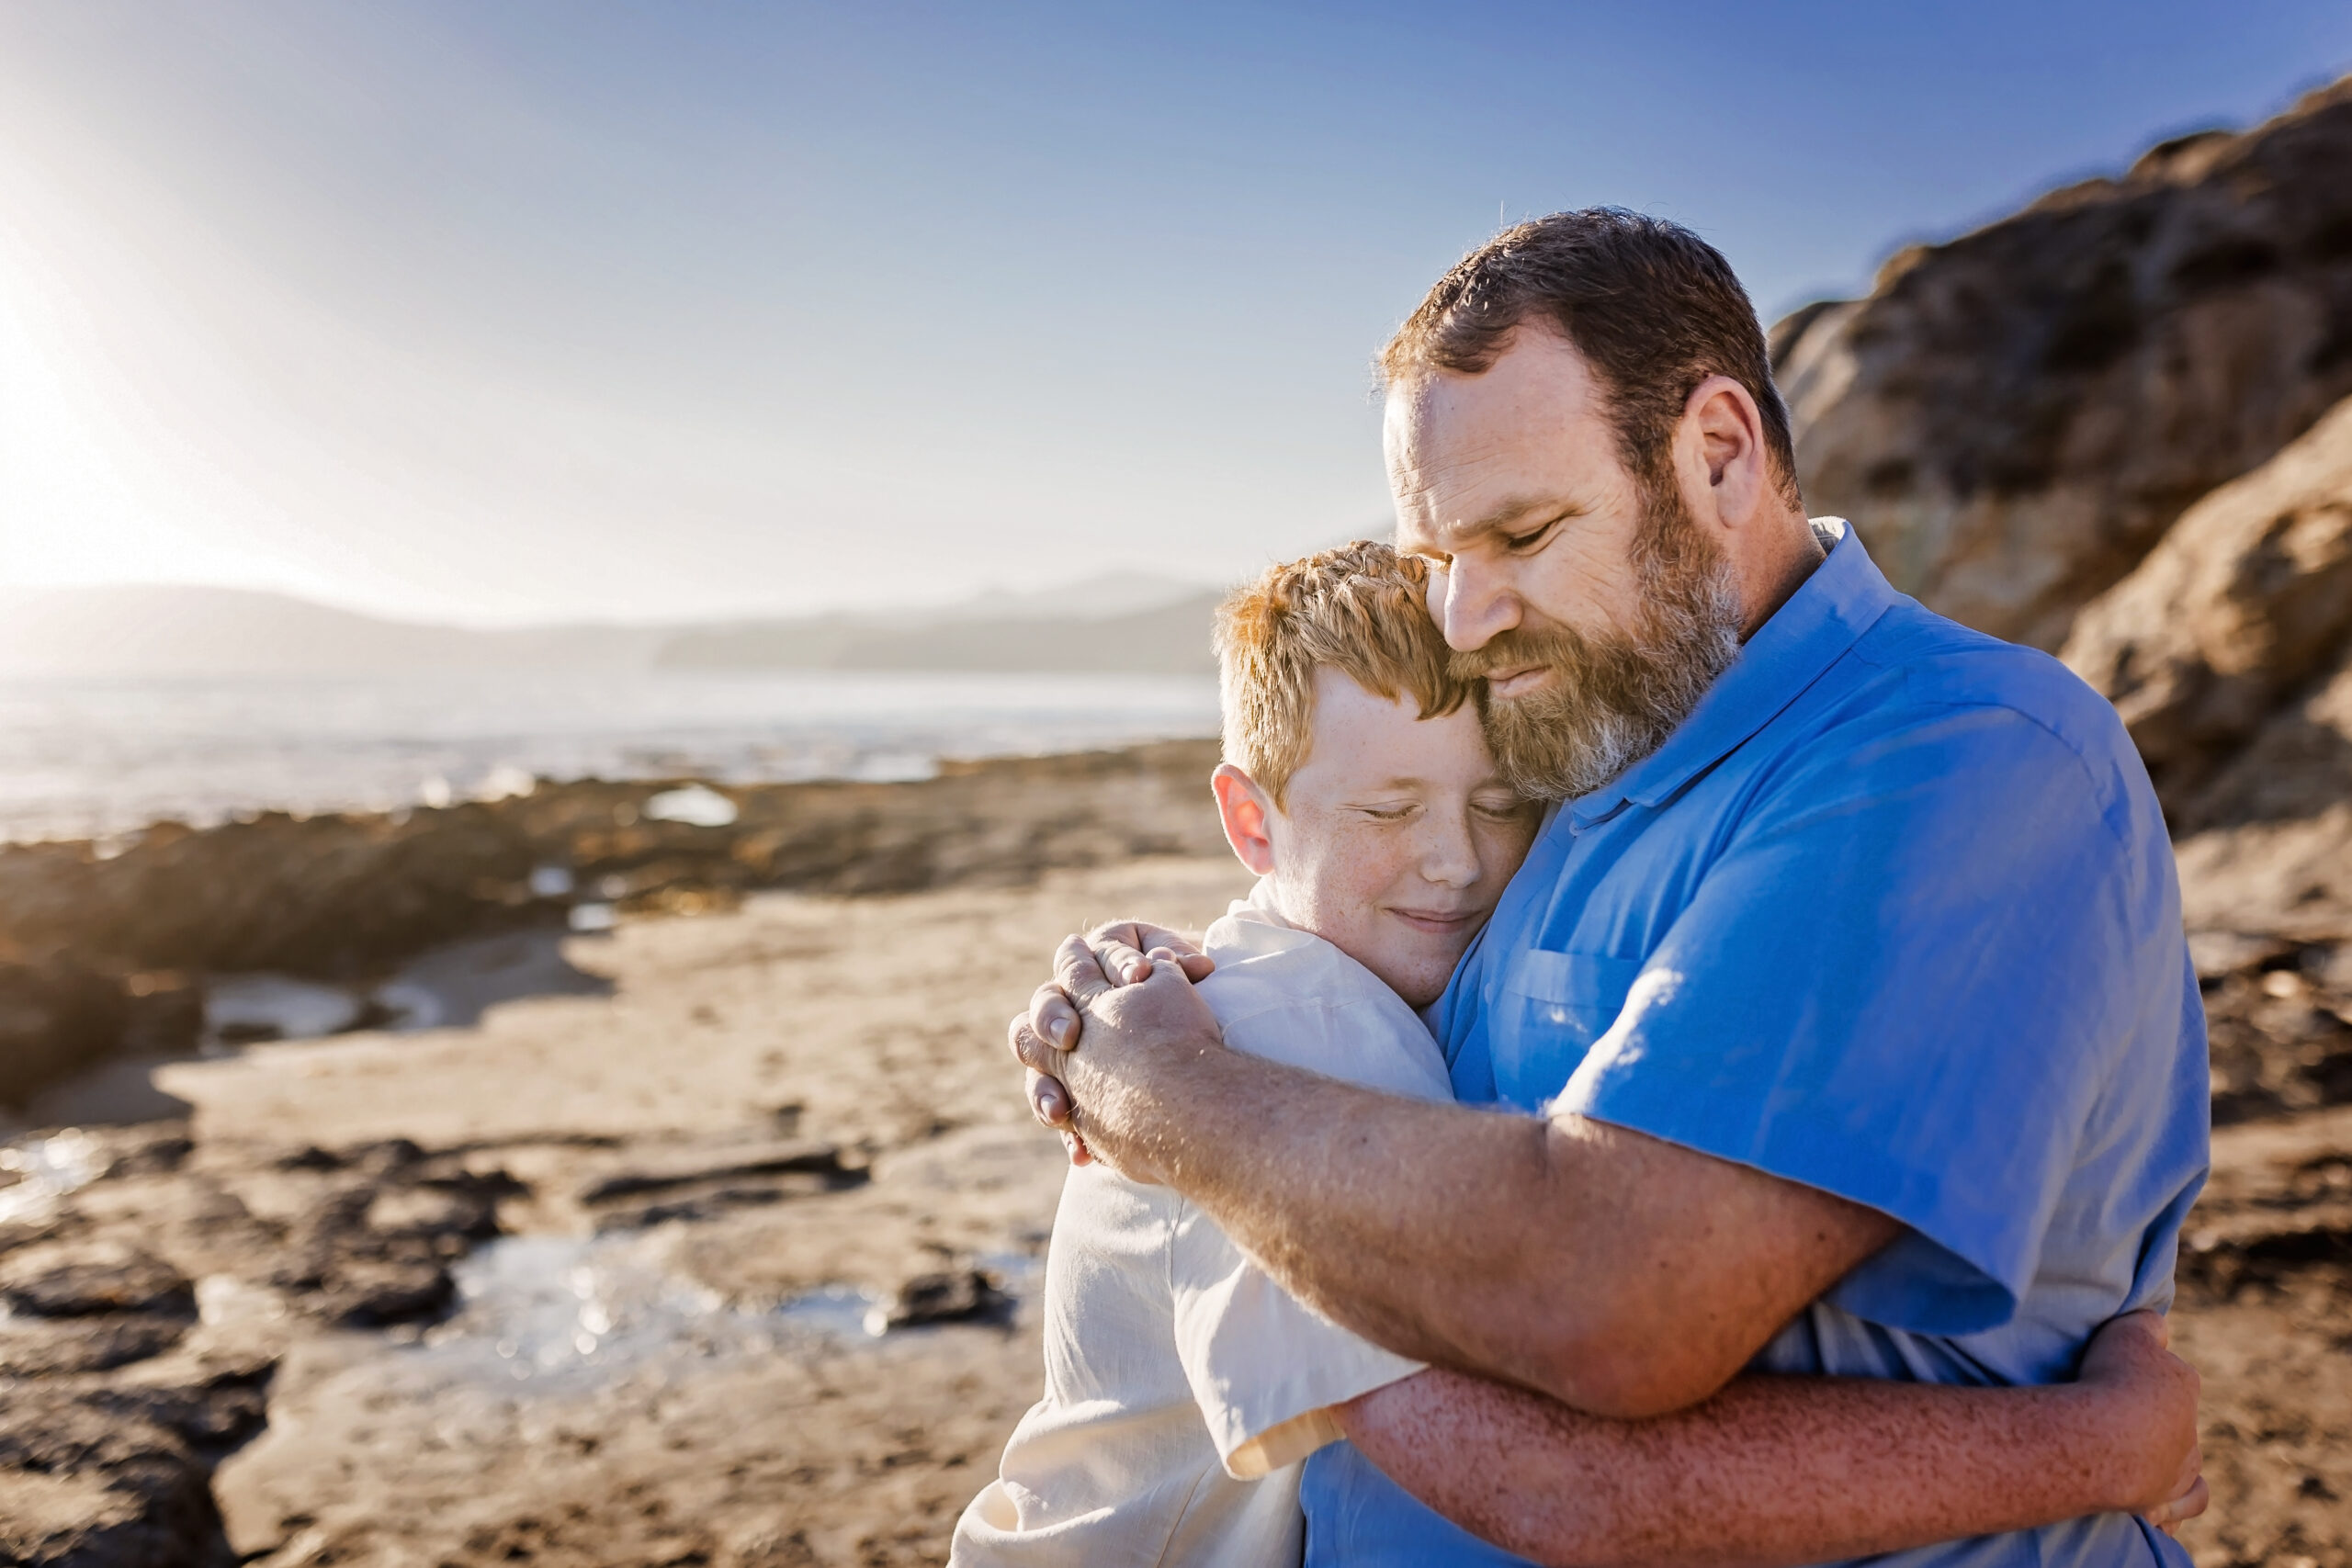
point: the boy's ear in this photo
(1244, 809)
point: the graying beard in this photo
(1699, 636)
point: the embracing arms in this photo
(1618, 1274)
(1786, 1471)
(1615, 1276)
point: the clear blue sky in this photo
(505, 311)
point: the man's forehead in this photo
(1450, 494)
(1469, 455)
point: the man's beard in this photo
(1612, 698)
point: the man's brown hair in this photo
(1654, 309)
(1360, 609)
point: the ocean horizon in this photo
(97, 757)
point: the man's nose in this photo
(1471, 605)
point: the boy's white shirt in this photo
(1182, 1385)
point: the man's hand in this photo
(1121, 953)
(1132, 1002)
(2152, 1396)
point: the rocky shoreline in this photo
(106, 949)
(778, 1150)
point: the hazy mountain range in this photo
(1121, 623)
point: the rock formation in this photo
(2243, 601)
(2229, 652)
(2014, 417)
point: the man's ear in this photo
(1726, 475)
(1244, 809)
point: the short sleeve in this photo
(1904, 981)
(1265, 1369)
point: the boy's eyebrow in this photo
(1391, 783)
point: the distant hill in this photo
(1138, 624)
(1171, 638)
(142, 632)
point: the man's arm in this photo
(1777, 1472)
(1618, 1274)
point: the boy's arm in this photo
(1778, 1471)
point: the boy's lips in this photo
(1437, 922)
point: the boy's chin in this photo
(1421, 981)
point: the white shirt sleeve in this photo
(1265, 1369)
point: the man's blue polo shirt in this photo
(1894, 915)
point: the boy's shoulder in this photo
(1290, 995)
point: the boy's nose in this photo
(1448, 858)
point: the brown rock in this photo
(84, 1282)
(955, 1295)
(2267, 847)
(56, 1016)
(2246, 597)
(2229, 652)
(33, 1346)
(87, 1485)
(374, 1247)
(2014, 417)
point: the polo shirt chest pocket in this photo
(1553, 1006)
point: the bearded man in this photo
(1841, 1018)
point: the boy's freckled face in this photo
(1396, 837)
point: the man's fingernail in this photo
(1059, 1029)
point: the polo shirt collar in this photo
(1844, 597)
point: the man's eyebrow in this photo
(1511, 510)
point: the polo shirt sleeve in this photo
(1265, 1369)
(1903, 982)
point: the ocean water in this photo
(94, 758)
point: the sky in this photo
(502, 311)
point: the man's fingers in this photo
(1122, 963)
(2189, 1497)
(2187, 1506)
(1142, 936)
(1049, 1099)
(1052, 1018)
(1079, 973)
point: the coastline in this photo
(108, 948)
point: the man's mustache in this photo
(1518, 647)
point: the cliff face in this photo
(2012, 419)
(2228, 650)
(2245, 600)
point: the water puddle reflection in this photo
(38, 1171)
(560, 1312)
